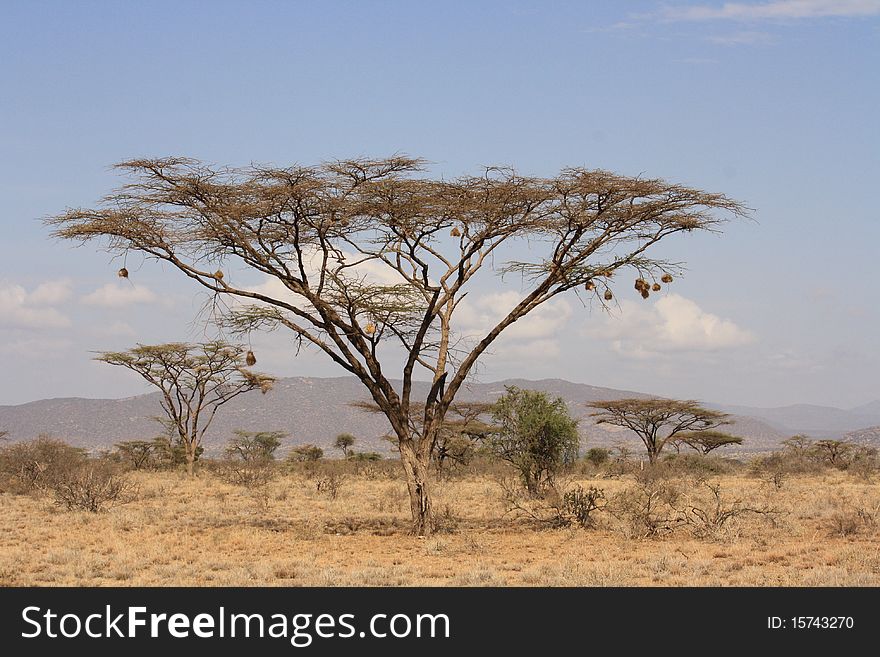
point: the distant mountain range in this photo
(315, 410)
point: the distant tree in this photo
(834, 452)
(307, 452)
(4, 435)
(707, 441)
(195, 381)
(657, 421)
(343, 442)
(137, 454)
(254, 446)
(798, 445)
(598, 455)
(535, 434)
(426, 241)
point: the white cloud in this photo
(776, 10)
(533, 339)
(50, 293)
(671, 324)
(22, 309)
(119, 295)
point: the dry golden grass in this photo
(206, 532)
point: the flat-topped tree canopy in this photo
(658, 422)
(376, 252)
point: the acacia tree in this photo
(254, 446)
(707, 440)
(343, 442)
(658, 422)
(367, 254)
(195, 381)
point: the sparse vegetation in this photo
(430, 239)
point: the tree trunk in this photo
(416, 465)
(190, 460)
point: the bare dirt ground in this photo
(822, 531)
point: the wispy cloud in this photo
(777, 10)
(742, 39)
(120, 295)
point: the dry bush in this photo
(36, 465)
(708, 514)
(330, 484)
(92, 487)
(849, 518)
(561, 504)
(248, 474)
(647, 508)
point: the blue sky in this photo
(773, 103)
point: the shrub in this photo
(535, 434)
(648, 507)
(580, 503)
(598, 455)
(37, 464)
(92, 487)
(330, 484)
(307, 452)
(249, 474)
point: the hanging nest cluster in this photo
(370, 328)
(644, 288)
(666, 278)
(455, 232)
(122, 273)
(250, 359)
(218, 275)
(589, 286)
(608, 296)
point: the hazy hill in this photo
(824, 421)
(311, 410)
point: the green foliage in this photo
(535, 434)
(343, 442)
(598, 455)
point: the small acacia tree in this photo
(658, 422)
(707, 441)
(306, 452)
(254, 446)
(137, 454)
(372, 259)
(535, 434)
(195, 381)
(343, 442)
